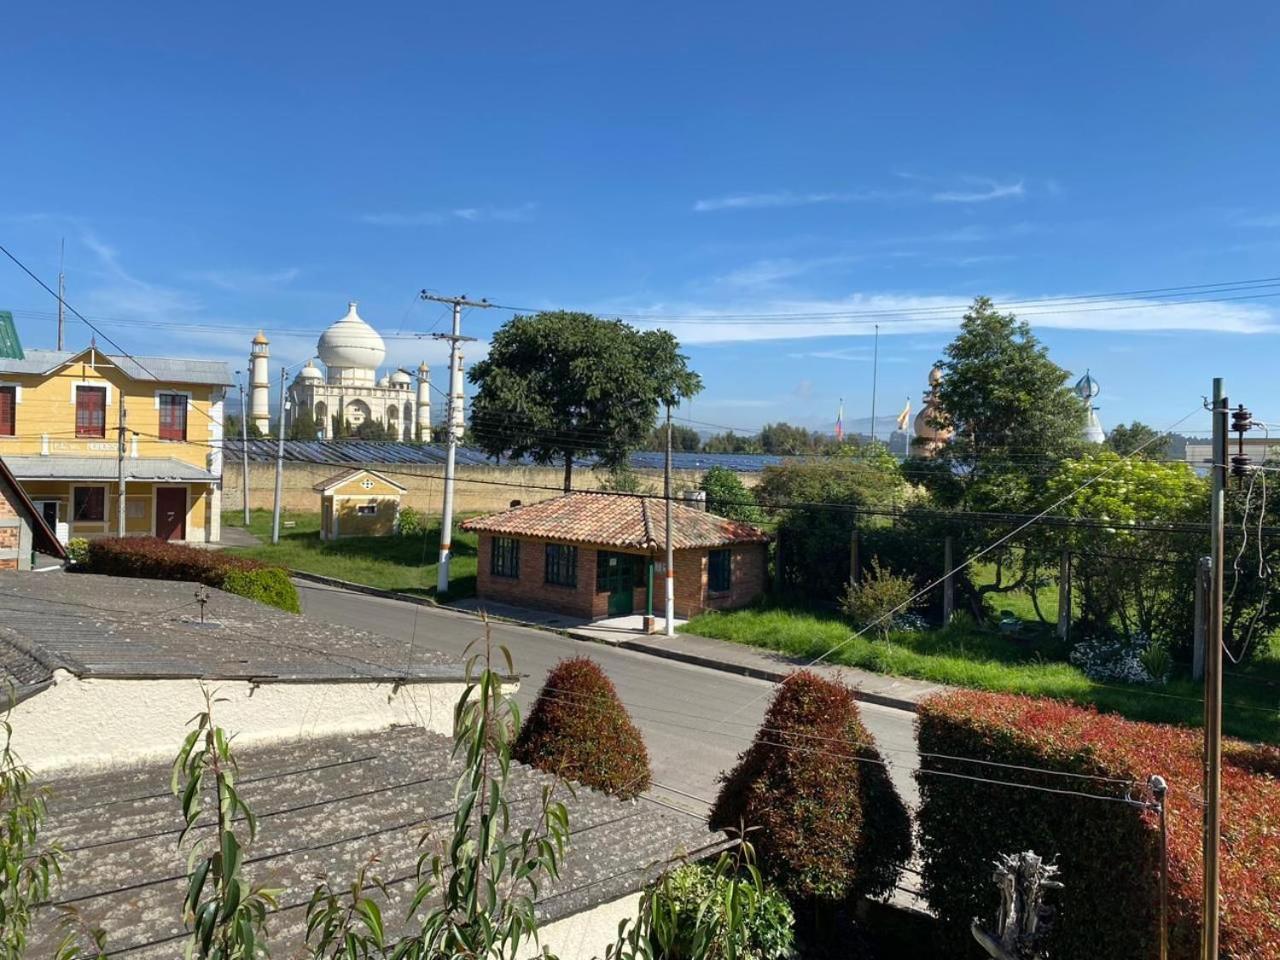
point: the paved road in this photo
(695, 720)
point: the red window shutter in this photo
(173, 416)
(91, 412)
(8, 411)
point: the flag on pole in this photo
(840, 422)
(905, 416)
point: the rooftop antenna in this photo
(62, 287)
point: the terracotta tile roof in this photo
(615, 520)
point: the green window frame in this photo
(719, 571)
(562, 565)
(504, 557)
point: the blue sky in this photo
(218, 169)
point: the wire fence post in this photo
(949, 584)
(1159, 790)
(855, 561)
(1064, 596)
(1201, 623)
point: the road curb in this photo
(769, 674)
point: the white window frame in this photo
(190, 407)
(17, 399)
(77, 384)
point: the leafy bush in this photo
(77, 551)
(728, 496)
(869, 602)
(409, 522)
(694, 897)
(271, 586)
(828, 822)
(154, 559)
(1108, 851)
(578, 729)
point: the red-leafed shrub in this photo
(826, 822)
(1108, 850)
(151, 558)
(578, 729)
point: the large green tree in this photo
(1125, 439)
(559, 386)
(303, 426)
(683, 439)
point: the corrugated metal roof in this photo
(617, 520)
(105, 468)
(166, 369)
(10, 343)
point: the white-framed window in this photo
(367, 510)
(367, 483)
(172, 405)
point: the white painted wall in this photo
(585, 935)
(92, 721)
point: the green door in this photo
(616, 576)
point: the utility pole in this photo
(875, 375)
(275, 510)
(120, 450)
(244, 453)
(451, 456)
(671, 553)
(62, 288)
(1213, 678)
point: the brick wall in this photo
(692, 596)
(9, 530)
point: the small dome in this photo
(400, 379)
(1087, 388)
(423, 369)
(935, 376)
(310, 373)
(351, 344)
(384, 381)
(261, 338)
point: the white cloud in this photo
(771, 271)
(794, 318)
(786, 198)
(246, 281)
(981, 191)
(486, 214)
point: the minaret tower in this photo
(1087, 390)
(260, 383)
(459, 418)
(424, 403)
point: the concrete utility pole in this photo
(244, 452)
(120, 450)
(275, 510)
(451, 415)
(62, 289)
(671, 553)
(1213, 678)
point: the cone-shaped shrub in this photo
(826, 821)
(578, 729)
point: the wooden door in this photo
(171, 513)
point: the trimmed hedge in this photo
(578, 729)
(1108, 852)
(151, 558)
(270, 585)
(826, 821)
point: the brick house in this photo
(22, 528)
(595, 555)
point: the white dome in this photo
(400, 378)
(310, 373)
(384, 382)
(351, 344)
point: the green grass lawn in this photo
(966, 655)
(404, 564)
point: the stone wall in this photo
(479, 489)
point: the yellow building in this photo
(60, 419)
(358, 503)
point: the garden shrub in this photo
(271, 586)
(868, 601)
(728, 496)
(77, 551)
(409, 522)
(1108, 852)
(766, 930)
(151, 558)
(826, 822)
(578, 729)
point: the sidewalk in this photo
(901, 693)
